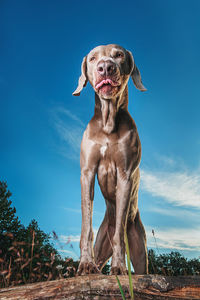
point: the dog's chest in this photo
(103, 150)
(107, 172)
(107, 150)
(117, 156)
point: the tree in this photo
(172, 264)
(39, 239)
(8, 221)
(10, 226)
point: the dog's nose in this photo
(106, 68)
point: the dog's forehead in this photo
(105, 50)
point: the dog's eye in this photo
(119, 55)
(92, 58)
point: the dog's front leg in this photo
(87, 264)
(88, 171)
(118, 265)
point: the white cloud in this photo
(74, 210)
(174, 239)
(165, 161)
(78, 211)
(70, 115)
(69, 238)
(178, 188)
(175, 212)
(71, 137)
(70, 130)
(69, 253)
(64, 251)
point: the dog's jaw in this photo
(108, 108)
(107, 87)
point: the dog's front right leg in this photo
(88, 170)
(87, 264)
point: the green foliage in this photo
(8, 221)
(106, 269)
(172, 264)
(10, 225)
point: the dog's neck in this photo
(106, 109)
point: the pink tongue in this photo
(105, 81)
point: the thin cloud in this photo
(74, 210)
(70, 115)
(69, 238)
(70, 135)
(60, 111)
(166, 161)
(172, 212)
(75, 238)
(178, 188)
(70, 130)
(175, 239)
(72, 254)
(78, 211)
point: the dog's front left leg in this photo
(118, 265)
(88, 170)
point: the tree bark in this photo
(103, 287)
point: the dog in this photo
(111, 149)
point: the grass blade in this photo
(129, 267)
(120, 287)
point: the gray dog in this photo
(111, 149)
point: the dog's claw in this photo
(88, 268)
(118, 271)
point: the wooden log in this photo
(103, 287)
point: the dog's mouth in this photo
(106, 85)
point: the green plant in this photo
(129, 270)
(129, 266)
(120, 287)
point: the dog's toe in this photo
(93, 269)
(88, 268)
(118, 271)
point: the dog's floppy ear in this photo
(137, 80)
(135, 75)
(82, 79)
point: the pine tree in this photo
(10, 226)
(39, 240)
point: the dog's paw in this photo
(118, 271)
(88, 268)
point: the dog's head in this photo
(108, 69)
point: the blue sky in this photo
(42, 44)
